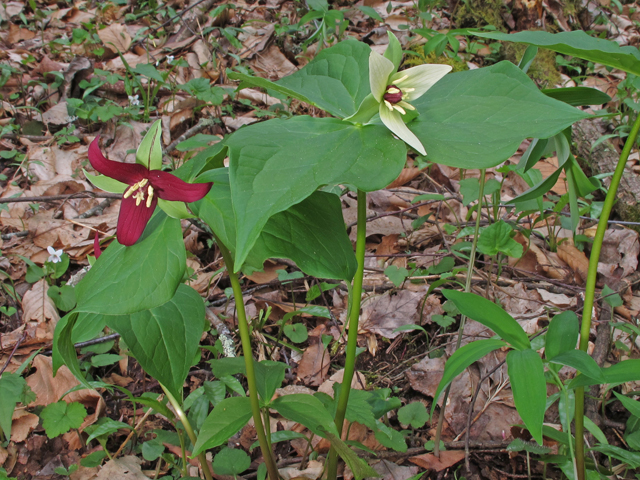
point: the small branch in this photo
(97, 210)
(201, 125)
(13, 352)
(51, 198)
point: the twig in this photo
(228, 345)
(50, 198)
(9, 236)
(97, 210)
(13, 352)
(135, 429)
(201, 125)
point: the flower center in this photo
(137, 190)
(393, 94)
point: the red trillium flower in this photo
(145, 187)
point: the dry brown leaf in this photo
(573, 257)
(22, 424)
(37, 305)
(272, 64)
(619, 256)
(314, 470)
(391, 471)
(314, 366)
(17, 34)
(125, 468)
(85, 473)
(405, 177)
(429, 461)
(268, 274)
(4, 454)
(384, 313)
(115, 37)
(50, 390)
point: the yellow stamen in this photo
(389, 106)
(408, 90)
(406, 105)
(400, 109)
(130, 190)
(150, 196)
(401, 79)
(393, 90)
(143, 182)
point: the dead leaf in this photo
(125, 468)
(22, 424)
(314, 470)
(391, 471)
(268, 274)
(17, 34)
(314, 366)
(115, 37)
(57, 115)
(50, 390)
(384, 313)
(38, 306)
(576, 259)
(619, 256)
(429, 461)
(85, 473)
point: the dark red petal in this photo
(132, 220)
(129, 173)
(171, 188)
(96, 246)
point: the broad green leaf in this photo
(463, 358)
(414, 414)
(311, 233)
(58, 418)
(106, 427)
(581, 361)
(224, 367)
(105, 183)
(149, 71)
(358, 466)
(336, 80)
(279, 163)
(281, 436)
(231, 461)
(64, 297)
(224, 421)
(490, 315)
(578, 96)
(478, 118)
(11, 388)
(625, 371)
(269, 377)
(630, 458)
(577, 44)
(496, 238)
(390, 437)
(64, 351)
(165, 339)
(126, 280)
(296, 332)
(562, 334)
(306, 410)
(526, 373)
(630, 404)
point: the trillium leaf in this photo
(311, 233)
(164, 339)
(105, 183)
(279, 163)
(577, 44)
(526, 373)
(478, 118)
(126, 280)
(336, 80)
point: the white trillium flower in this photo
(54, 255)
(395, 90)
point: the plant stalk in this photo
(245, 338)
(590, 288)
(187, 427)
(463, 319)
(352, 340)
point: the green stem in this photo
(187, 427)
(590, 288)
(463, 319)
(352, 341)
(245, 338)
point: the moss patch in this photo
(479, 13)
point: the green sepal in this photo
(105, 183)
(175, 209)
(394, 51)
(149, 152)
(368, 108)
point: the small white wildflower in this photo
(170, 58)
(54, 255)
(71, 118)
(133, 100)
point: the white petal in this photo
(393, 121)
(51, 250)
(421, 78)
(379, 70)
(58, 253)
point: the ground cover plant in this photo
(233, 307)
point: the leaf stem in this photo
(463, 319)
(352, 341)
(187, 427)
(590, 288)
(245, 338)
